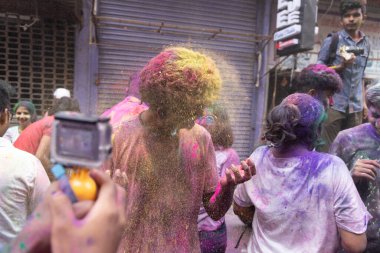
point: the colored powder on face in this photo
(90, 241)
(37, 215)
(22, 246)
(377, 124)
(78, 223)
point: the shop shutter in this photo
(131, 32)
(37, 60)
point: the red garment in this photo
(30, 138)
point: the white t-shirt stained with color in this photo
(300, 203)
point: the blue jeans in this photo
(214, 241)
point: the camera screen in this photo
(78, 142)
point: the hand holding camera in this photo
(349, 53)
(79, 143)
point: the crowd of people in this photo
(173, 173)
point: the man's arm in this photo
(217, 209)
(245, 214)
(218, 203)
(43, 154)
(353, 243)
(324, 52)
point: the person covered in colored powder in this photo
(347, 110)
(359, 148)
(129, 107)
(300, 200)
(213, 234)
(320, 82)
(25, 112)
(169, 160)
(23, 180)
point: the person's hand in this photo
(118, 177)
(36, 234)
(365, 168)
(350, 60)
(100, 230)
(347, 60)
(238, 174)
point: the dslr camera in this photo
(80, 140)
(355, 50)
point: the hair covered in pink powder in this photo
(181, 81)
(318, 77)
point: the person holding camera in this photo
(168, 160)
(346, 51)
(359, 149)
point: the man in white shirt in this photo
(23, 179)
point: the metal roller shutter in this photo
(37, 60)
(131, 32)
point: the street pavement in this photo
(235, 228)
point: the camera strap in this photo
(333, 47)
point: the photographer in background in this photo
(23, 179)
(35, 139)
(348, 104)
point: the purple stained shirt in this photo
(224, 159)
(300, 202)
(362, 142)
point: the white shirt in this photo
(12, 134)
(300, 203)
(23, 181)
